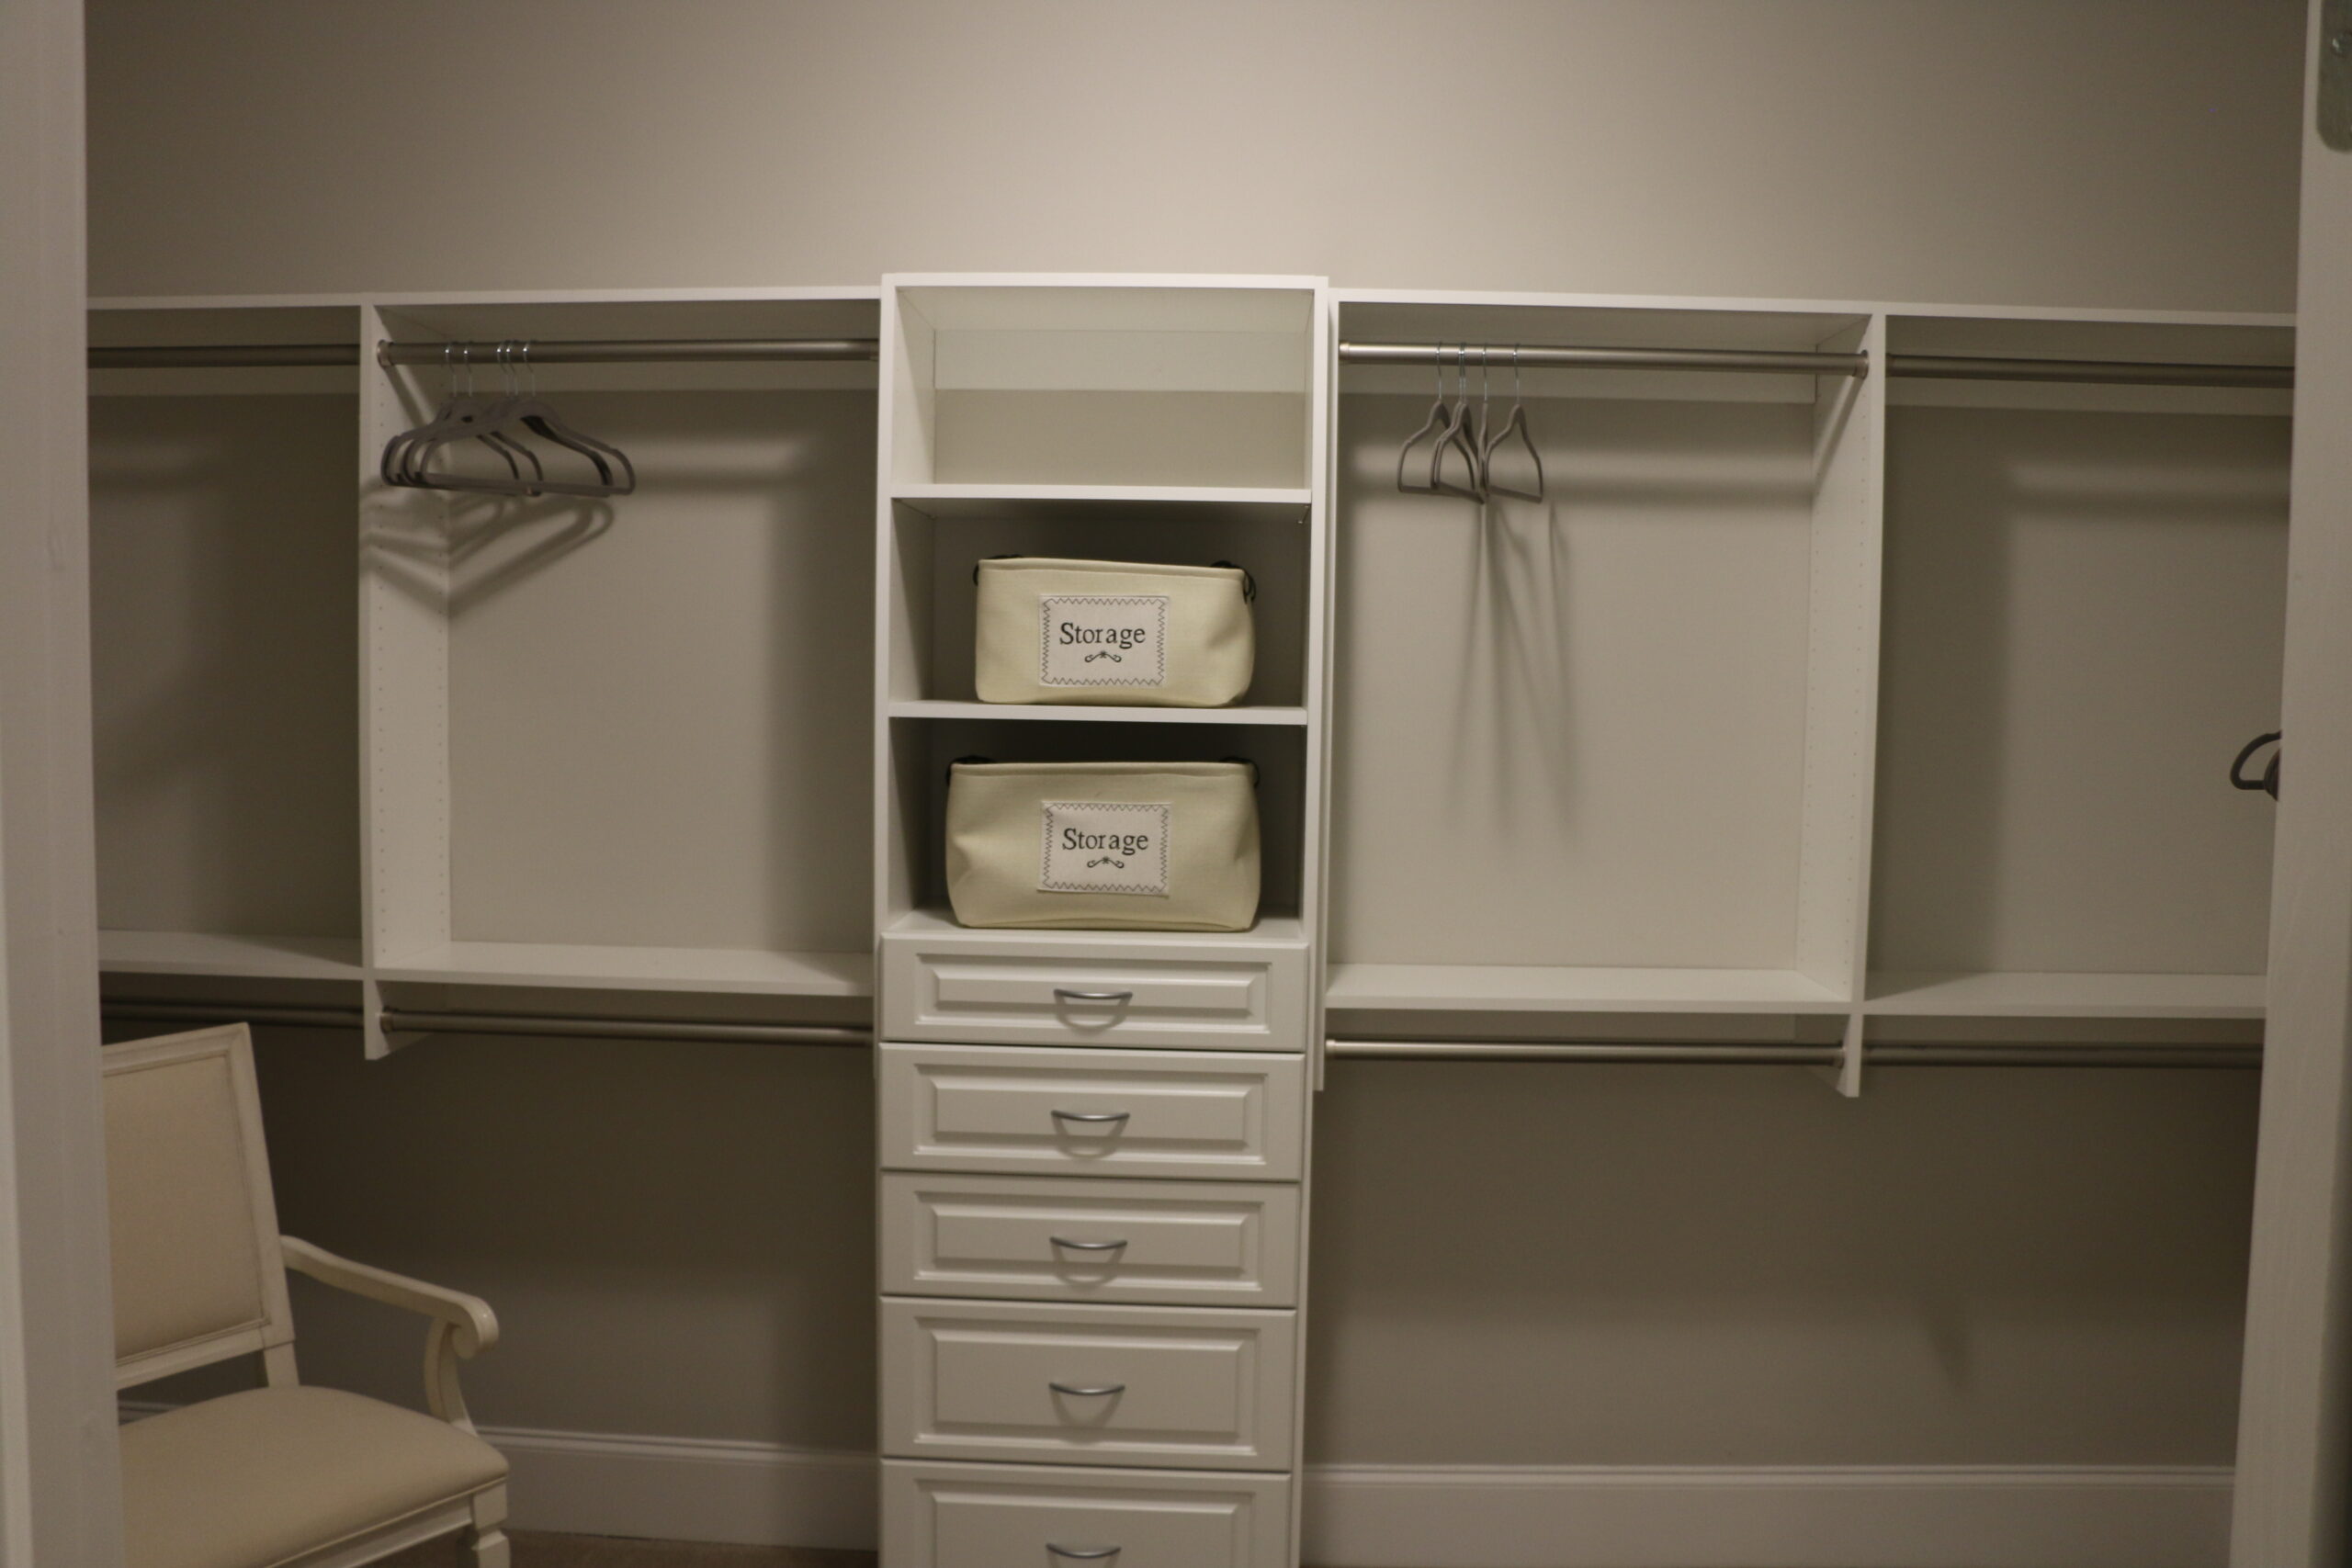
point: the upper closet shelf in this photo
(1103, 502)
(248, 957)
(639, 968)
(1465, 987)
(1950, 994)
(1075, 713)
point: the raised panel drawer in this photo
(1002, 1516)
(1089, 989)
(1160, 1386)
(1229, 1115)
(1199, 1243)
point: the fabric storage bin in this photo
(1103, 846)
(1111, 632)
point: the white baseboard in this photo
(1466, 1516)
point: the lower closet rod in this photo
(1663, 1052)
(484, 354)
(409, 1020)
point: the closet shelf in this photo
(2019, 994)
(1473, 988)
(208, 952)
(1105, 502)
(1075, 713)
(638, 968)
(1274, 925)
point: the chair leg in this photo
(488, 1534)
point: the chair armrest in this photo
(474, 1326)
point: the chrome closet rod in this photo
(1775, 361)
(1929, 366)
(416, 1021)
(1675, 1053)
(549, 351)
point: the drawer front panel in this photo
(1223, 998)
(1087, 1385)
(1224, 1244)
(989, 1516)
(1175, 1113)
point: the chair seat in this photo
(258, 1478)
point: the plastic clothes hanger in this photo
(1515, 426)
(1459, 435)
(536, 415)
(1430, 427)
(463, 416)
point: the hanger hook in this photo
(530, 370)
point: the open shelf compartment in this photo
(225, 653)
(604, 739)
(1607, 754)
(2085, 620)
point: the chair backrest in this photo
(197, 1273)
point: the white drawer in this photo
(1232, 1115)
(1166, 1386)
(1093, 989)
(1049, 1238)
(1002, 1516)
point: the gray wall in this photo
(2047, 151)
(1696, 1266)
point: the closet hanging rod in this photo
(1923, 366)
(1775, 361)
(485, 353)
(1664, 1053)
(417, 1021)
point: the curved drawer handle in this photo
(1116, 998)
(1083, 1553)
(1086, 1246)
(1104, 1390)
(1105, 1117)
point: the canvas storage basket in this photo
(1111, 632)
(1103, 846)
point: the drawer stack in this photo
(1093, 1143)
(1090, 1256)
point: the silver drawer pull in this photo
(1086, 1246)
(1083, 1553)
(1105, 1391)
(1062, 994)
(1092, 1118)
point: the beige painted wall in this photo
(2055, 151)
(1981, 1267)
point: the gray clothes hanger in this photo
(1459, 436)
(462, 415)
(1430, 427)
(1514, 427)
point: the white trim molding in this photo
(1466, 1516)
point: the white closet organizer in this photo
(1094, 1144)
(1814, 716)
(1672, 797)
(563, 743)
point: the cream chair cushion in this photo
(253, 1479)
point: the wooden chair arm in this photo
(476, 1324)
(463, 1326)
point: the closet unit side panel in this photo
(2084, 621)
(1574, 733)
(404, 557)
(225, 664)
(659, 703)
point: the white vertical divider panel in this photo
(1841, 679)
(404, 680)
(2295, 1407)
